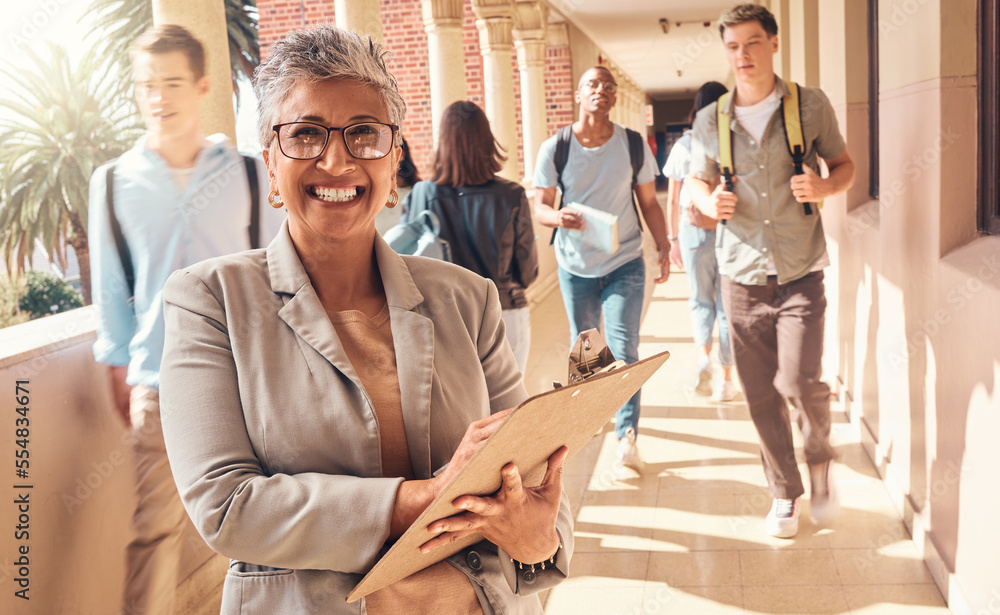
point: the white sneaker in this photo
(628, 452)
(824, 501)
(725, 390)
(704, 385)
(783, 520)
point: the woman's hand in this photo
(520, 520)
(414, 496)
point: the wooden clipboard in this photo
(569, 415)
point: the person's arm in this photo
(525, 251)
(707, 192)
(718, 203)
(545, 181)
(121, 392)
(110, 294)
(810, 187)
(653, 214)
(673, 221)
(547, 214)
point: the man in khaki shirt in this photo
(771, 253)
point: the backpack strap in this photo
(561, 156)
(791, 111)
(723, 120)
(254, 229)
(723, 123)
(636, 154)
(124, 255)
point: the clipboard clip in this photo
(589, 356)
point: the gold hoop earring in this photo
(275, 200)
(393, 199)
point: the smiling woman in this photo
(318, 395)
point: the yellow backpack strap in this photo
(791, 108)
(725, 142)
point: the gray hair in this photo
(320, 54)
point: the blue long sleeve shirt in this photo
(165, 230)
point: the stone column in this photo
(206, 20)
(640, 108)
(361, 16)
(445, 57)
(639, 112)
(495, 22)
(628, 105)
(782, 62)
(624, 104)
(529, 40)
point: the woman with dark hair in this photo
(486, 218)
(693, 244)
(406, 175)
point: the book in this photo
(600, 228)
(566, 416)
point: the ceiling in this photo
(670, 65)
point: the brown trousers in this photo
(777, 334)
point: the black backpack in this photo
(561, 157)
(116, 229)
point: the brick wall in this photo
(559, 87)
(403, 33)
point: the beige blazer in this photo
(273, 441)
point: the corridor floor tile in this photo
(795, 599)
(686, 536)
(812, 567)
(716, 600)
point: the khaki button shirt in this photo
(768, 220)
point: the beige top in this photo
(440, 588)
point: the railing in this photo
(64, 522)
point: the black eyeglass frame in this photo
(609, 86)
(329, 129)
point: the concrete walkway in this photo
(687, 536)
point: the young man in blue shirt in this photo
(178, 197)
(595, 283)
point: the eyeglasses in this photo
(307, 140)
(609, 86)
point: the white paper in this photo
(600, 228)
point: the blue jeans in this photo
(698, 255)
(618, 295)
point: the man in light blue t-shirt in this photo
(598, 173)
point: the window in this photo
(989, 116)
(873, 98)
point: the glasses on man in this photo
(307, 140)
(609, 86)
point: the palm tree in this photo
(62, 124)
(117, 23)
